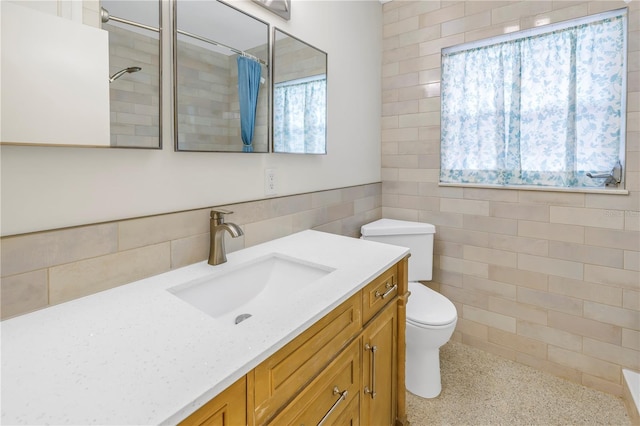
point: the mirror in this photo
(299, 96)
(134, 72)
(221, 79)
(60, 68)
(55, 88)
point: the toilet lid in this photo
(428, 307)
(396, 227)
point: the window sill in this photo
(612, 191)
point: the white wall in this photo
(47, 188)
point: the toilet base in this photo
(423, 372)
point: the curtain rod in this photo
(106, 17)
(303, 80)
(531, 32)
(206, 40)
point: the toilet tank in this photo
(416, 236)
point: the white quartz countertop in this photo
(139, 355)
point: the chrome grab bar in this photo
(388, 292)
(343, 396)
(373, 350)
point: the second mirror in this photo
(221, 78)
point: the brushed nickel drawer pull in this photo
(373, 350)
(343, 396)
(388, 292)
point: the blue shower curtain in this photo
(248, 87)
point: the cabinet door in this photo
(379, 369)
(331, 397)
(227, 409)
(287, 372)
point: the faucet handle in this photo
(218, 214)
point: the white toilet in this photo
(431, 317)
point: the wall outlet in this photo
(270, 182)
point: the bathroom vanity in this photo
(331, 349)
(341, 370)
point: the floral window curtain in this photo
(539, 110)
(299, 116)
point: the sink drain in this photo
(242, 317)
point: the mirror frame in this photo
(273, 87)
(269, 77)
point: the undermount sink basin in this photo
(249, 288)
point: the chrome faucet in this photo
(217, 254)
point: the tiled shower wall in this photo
(208, 104)
(47, 268)
(295, 60)
(548, 279)
(134, 98)
(203, 99)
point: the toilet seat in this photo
(428, 308)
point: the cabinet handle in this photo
(388, 292)
(343, 396)
(373, 350)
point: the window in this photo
(538, 107)
(299, 115)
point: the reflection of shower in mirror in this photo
(122, 72)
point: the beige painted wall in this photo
(549, 279)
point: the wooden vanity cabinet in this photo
(379, 369)
(328, 395)
(346, 369)
(286, 373)
(379, 292)
(228, 408)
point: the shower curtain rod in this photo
(206, 40)
(105, 17)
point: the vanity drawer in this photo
(332, 397)
(283, 375)
(379, 292)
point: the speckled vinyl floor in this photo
(479, 388)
